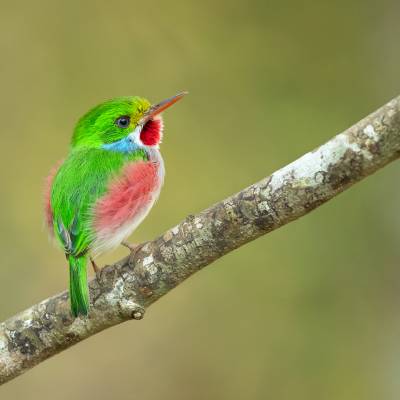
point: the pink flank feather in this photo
(128, 197)
(47, 196)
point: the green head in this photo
(122, 124)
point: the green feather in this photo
(97, 126)
(78, 288)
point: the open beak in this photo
(161, 106)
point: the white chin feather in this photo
(160, 118)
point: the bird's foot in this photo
(96, 269)
(131, 246)
(134, 247)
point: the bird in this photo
(112, 176)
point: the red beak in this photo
(161, 106)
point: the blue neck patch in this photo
(125, 145)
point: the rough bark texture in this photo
(124, 290)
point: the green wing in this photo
(79, 183)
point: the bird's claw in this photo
(134, 247)
(96, 270)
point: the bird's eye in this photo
(123, 122)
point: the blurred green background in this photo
(310, 311)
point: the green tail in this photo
(78, 287)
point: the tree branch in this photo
(128, 287)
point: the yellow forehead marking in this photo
(139, 109)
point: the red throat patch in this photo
(151, 132)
